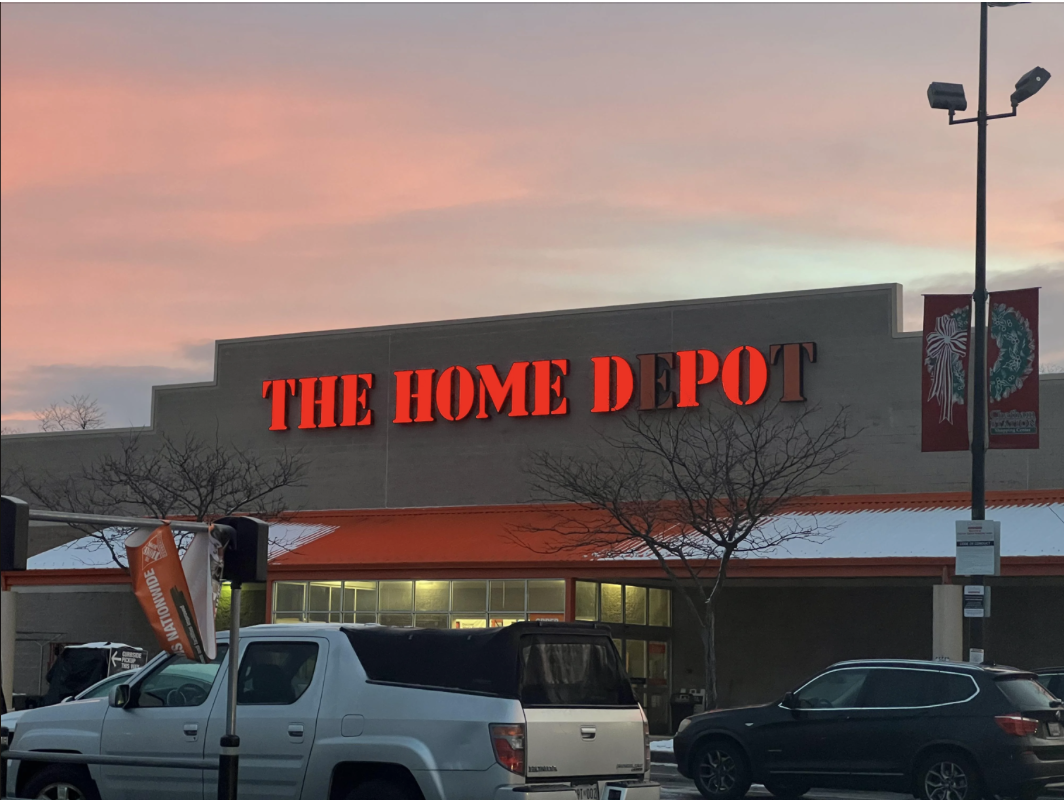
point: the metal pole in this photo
(40, 515)
(229, 756)
(977, 632)
(5, 743)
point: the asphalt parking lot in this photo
(675, 786)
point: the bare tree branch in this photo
(79, 412)
(692, 490)
(184, 476)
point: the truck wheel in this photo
(379, 790)
(60, 782)
(948, 776)
(720, 772)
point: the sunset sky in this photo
(175, 174)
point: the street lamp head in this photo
(1029, 84)
(947, 96)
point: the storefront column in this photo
(947, 628)
(8, 630)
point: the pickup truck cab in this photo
(354, 712)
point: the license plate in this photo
(1055, 729)
(589, 792)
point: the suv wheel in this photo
(720, 771)
(948, 776)
(61, 782)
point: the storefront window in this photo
(360, 596)
(546, 596)
(290, 597)
(612, 602)
(432, 596)
(507, 596)
(658, 663)
(660, 607)
(586, 600)
(635, 605)
(325, 596)
(426, 604)
(397, 595)
(636, 658)
(469, 596)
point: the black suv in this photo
(940, 730)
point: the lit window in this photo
(507, 596)
(432, 596)
(586, 600)
(660, 607)
(397, 596)
(612, 609)
(635, 605)
(288, 596)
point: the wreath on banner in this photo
(946, 346)
(1015, 340)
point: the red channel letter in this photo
(730, 375)
(690, 379)
(546, 390)
(356, 401)
(404, 397)
(515, 389)
(310, 402)
(278, 392)
(454, 400)
(613, 380)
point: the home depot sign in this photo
(537, 388)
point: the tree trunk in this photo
(709, 641)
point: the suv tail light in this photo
(509, 744)
(1015, 725)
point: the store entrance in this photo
(647, 662)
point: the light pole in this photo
(950, 97)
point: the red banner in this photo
(1012, 375)
(160, 586)
(944, 381)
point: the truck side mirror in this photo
(119, 696)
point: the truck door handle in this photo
(191, 730)
(295, 730)
(588, 732)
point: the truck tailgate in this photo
(579, 742)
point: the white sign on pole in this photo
(978, 547)
(977, 601)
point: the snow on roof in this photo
(907, 533)
(91, 553)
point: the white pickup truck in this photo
(330, 712)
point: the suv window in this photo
(839, 688)
(915, 688)
(1026, 694)
(180, 683)
(1054, 682)
(276, 673)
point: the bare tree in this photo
(79, 412)
(187, 477)
(693, 490)
(1051, 369)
